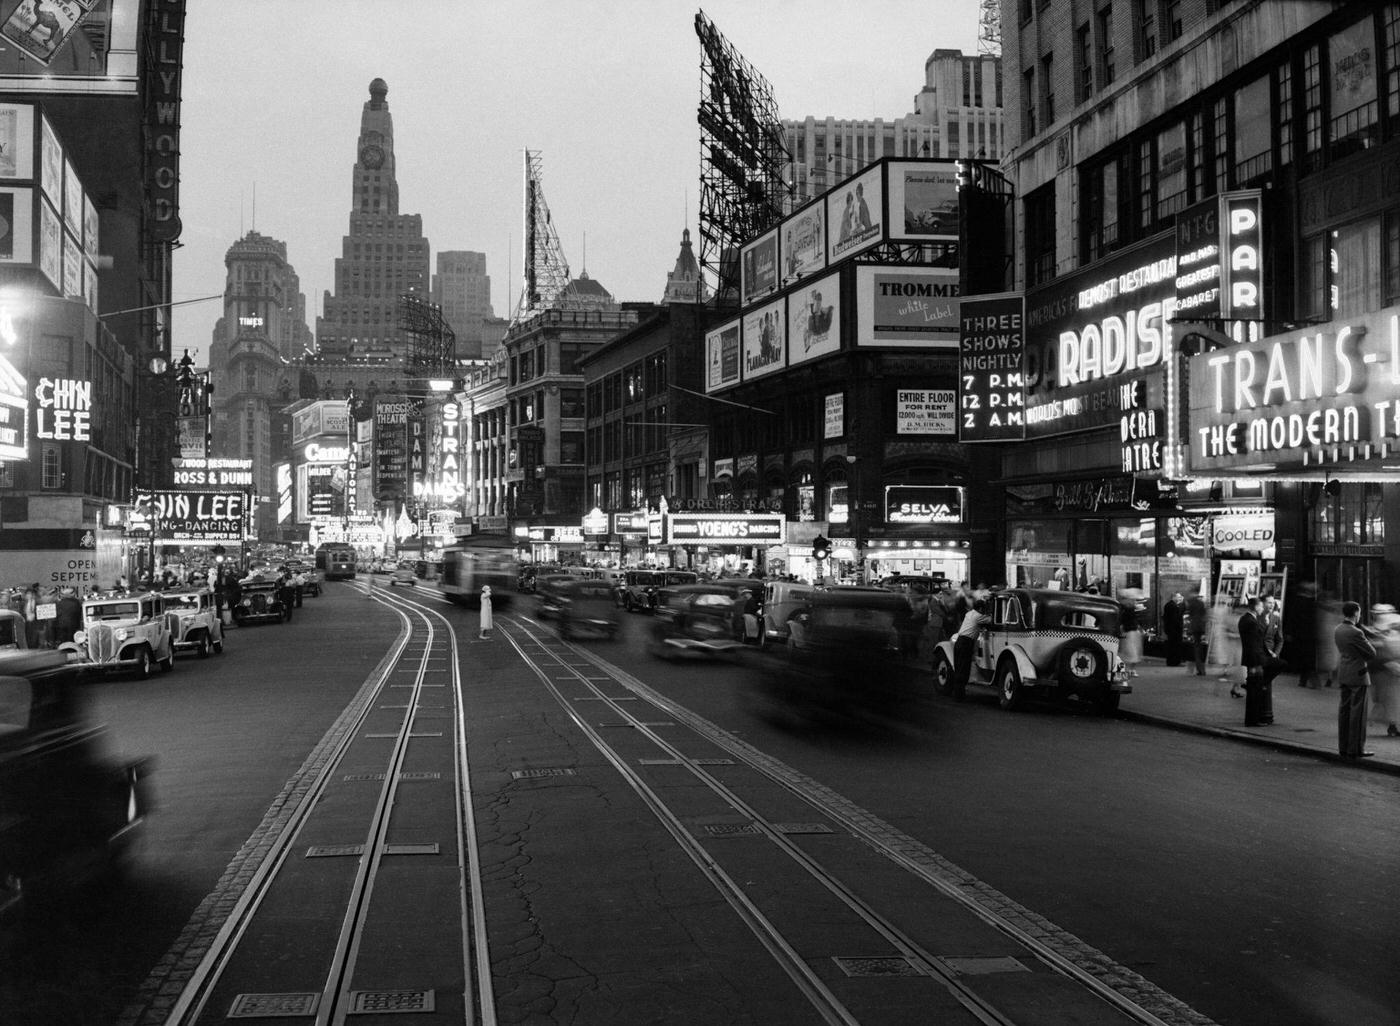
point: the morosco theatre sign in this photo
(1325, 395)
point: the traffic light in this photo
(821, 548)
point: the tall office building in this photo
(383, 256)
(462, 288)
(957, 113)
(252, 356)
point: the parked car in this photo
(403, 574)
(1055, 644)
(194, 620)
(304, 576)
(123, 630)
(585, 607)
(261, 601)
(842, 658)
(697, 619)
(748, 608)
(781, 600)
(68, 814)
(638, 590)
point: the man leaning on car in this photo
(965, 641)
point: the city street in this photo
(1247, 882)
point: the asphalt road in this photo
(1254, 885)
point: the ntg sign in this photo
(1252, 532)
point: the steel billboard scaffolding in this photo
(434, 351)
(546, 272)
(742, 156)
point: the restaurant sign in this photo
(923, 504)
(195, 516)
(1319, 396)
(726, 529)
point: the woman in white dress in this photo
(485, 612)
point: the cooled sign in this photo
(717, 529)
(924, 504)
(64, 410)
(1254, 532)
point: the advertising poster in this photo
(56, 568)
(907, 307)
(16, 140)
(924, 202)
(803, 248)
(17, 229)
(50, 245)
(765, 341)
(51, 159)
(991, 369)
(834, 419)
(759, 266)
(192, 435)
(722, 357)
(814, 320)
(41, 27)
(89, 230)
(72, 199)
(90, 286)
(925, 411)
(1198, 258)
(72, 267)
(854, 216)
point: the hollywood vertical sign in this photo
(167, 32)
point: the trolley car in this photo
(476, 560)
(336, 561)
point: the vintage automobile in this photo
(585, 607)
(123, 630)
(1053, 644)
(697, 619)
(781, 600)
(304, 576)
(548, 591)
(748, 594)
(403, 574)
(68, 815)
(194, 620)
(261, 601)
(639, 587)
(12, 636)
(843, 658)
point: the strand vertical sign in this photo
(991, 369)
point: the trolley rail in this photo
(385, 825)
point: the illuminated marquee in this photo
(447, 485)
(1310, 396)
(721, 529)
(214, 472)
(316, 453)
(190, 516)
(924, 504)
(14, 396)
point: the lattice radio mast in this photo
(546, 272)
(989, 29)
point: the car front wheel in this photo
(201, 647)
(144, 663)
(943, 676)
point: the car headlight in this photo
(122, 634)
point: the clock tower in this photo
(383, 256)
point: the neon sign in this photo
(64, 412)
(14, 397)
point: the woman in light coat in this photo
(485, 612)
(1385, 679)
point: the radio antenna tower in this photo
(989, 29)
(546, 271)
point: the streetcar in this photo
(336, 561)
(476, 560)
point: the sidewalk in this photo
(1305, 719)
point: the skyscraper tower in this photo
(462, 288)
(384, 255)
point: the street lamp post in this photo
(854, 512)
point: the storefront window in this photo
(1356, 269)
(1353, 516)
(838, 510)
(1039, 554)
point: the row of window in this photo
(646, 377)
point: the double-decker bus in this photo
(476, 560)
(336, 561)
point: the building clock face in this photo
(372, 157)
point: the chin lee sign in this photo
(1323, 395)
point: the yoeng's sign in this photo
(722, 529)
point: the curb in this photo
(1370, 765)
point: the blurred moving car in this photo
(548, 591)
(123, 630)
(68, 815)
(194, 620)
(697, 619)
(585, 607)
(843, 658)
(1054, 644)
(781, 600)
(403, 574)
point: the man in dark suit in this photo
(1173, 629)
(1253, 656)
(1354, 656)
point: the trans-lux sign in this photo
(758, 529)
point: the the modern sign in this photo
(991, 369)
(1312, 398)
(907, 307)
(725, 529)
(924, 504)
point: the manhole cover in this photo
(323, 851)
(984, 965)
(269, 1006)
(374, 1002)
(418, 776)
(730, 829)
(547, 771)
(411, 849)
(877, 965)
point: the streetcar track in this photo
(881, 838)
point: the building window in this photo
(1171, 171)
(1171, 19)
(1040, 235)
(1146, 18)
(1392, 259)
(1047, 89)
(1283, 85)
(1029, 97)
(1200, 179)
(1107, 70)
(50, 467)
(1392, 59)
(1084, 57)
(1351, 58)
(1222, 146)
(1100, 210)
(1356, 269)
(1253, 134)
(1312, 108)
